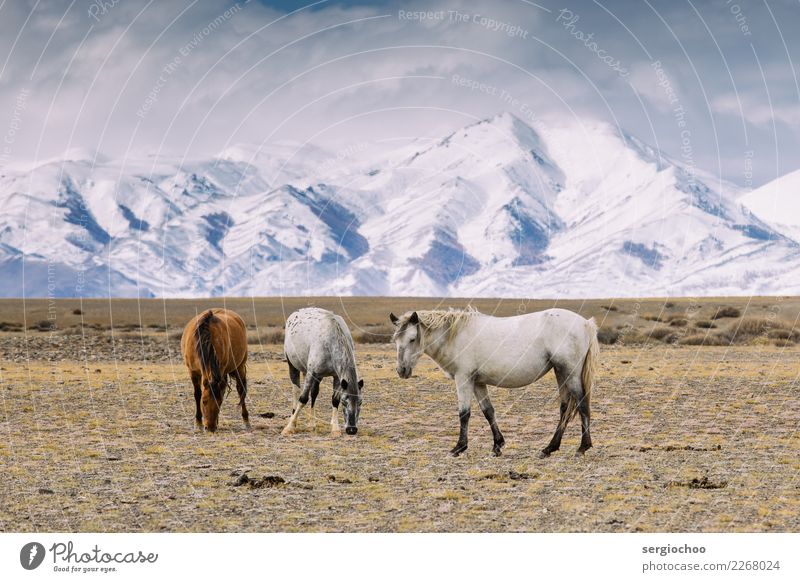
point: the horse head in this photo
(351, 401)
(408, 339)
(210, 402)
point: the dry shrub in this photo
(6, 326)
(678, 322)
(644, 337)
(373, 334)
(783, 343)
(633, 338)
(726, 312)
(270, 336)
(755, 329)
(651, 317)
(711, 339)
(607, 336)
(127, 327)
(76, 330)
(660, 333)
(705, 324)
(610, 307)
(756, 326)
(785, 334)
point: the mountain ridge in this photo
(495, 208)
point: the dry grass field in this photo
(695, 425)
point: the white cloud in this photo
(756, 110)
(237, 84)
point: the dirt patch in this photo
(268, 481)
(699, 483)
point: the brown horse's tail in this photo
(208, 356)
(588, 372)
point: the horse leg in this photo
(302, 400)
(198, 394)
(482, 395)
(585, 412)
(335, 430)
(294, 376)
(240, 375)
(464, 389)
(562, 377)
(310, 392)
(578, 400)
(555, 442)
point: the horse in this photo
(477, 350)
(214, 346)
(318, 344)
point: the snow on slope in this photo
(493, 209)
(778, 203)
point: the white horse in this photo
(318, 344)
(479, 350)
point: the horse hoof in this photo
(287, 431)
(544, 454)
(247, 427)
(498, 449)
(457, 450)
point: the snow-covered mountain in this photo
(493, 209)
(778, 203)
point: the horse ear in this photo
(360, 384)
(343, 384)
(414, 319)
(393, 318)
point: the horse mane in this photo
(207, 354)
(345, 343)
(451, 319)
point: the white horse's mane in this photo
(433, 319)
(343, 341)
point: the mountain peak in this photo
(778, 203)
(576, 208)
(507, 122)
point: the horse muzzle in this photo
(351, 430)
(404, 372)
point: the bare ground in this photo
(686, 439)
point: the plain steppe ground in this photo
(97, 427)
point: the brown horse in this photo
(214, 346)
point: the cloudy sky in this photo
(707, 81)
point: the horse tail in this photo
(208, 356)
(590, 361)
(587, 374)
